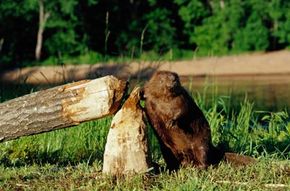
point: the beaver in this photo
(182, 130)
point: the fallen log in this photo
(60, 107)
(126, 150)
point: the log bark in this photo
(60, 107)
(126, 150)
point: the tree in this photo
(17, 29)
(70, 28)
(60, 107)
(284, 30)
(154, 29)
(279, 13)
(254, 34)
(62, 34)
(160, 32)
(192, 13)
(216, 33)
(43, 16)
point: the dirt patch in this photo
(246, 64)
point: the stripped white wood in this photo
(126, 150)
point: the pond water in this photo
(267, 92)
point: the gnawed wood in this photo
(126, 150)
(60, 107)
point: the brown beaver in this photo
(182, 129)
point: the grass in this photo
(84, 143)
(265, 175)
(71, 159)
(91, 57)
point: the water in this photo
(267, 92)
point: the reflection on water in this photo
(268, 92)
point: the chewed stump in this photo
(126, 150)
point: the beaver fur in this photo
(182, 129)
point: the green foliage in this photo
(192, 13)
(17, 28)
(245, 130)
(159, 22)
(254, 35)
(282, 31)
(209, 37)
(152, 32)
(112, 28)
(62, 28)
(276, 137)
(17, 8)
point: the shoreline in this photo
(254, 64)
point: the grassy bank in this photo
(71, 158)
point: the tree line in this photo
(40, 29)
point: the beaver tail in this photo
(238, 160)
(218, 154)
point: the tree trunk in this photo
(1, 44)
(60, 107)
(126, 150)
(43, 16)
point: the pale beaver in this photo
(182, 129)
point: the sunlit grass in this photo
(84, 142)
(265, 175)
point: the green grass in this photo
(267, 174)
(84, 143)
(71, 158)
(91, 57)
